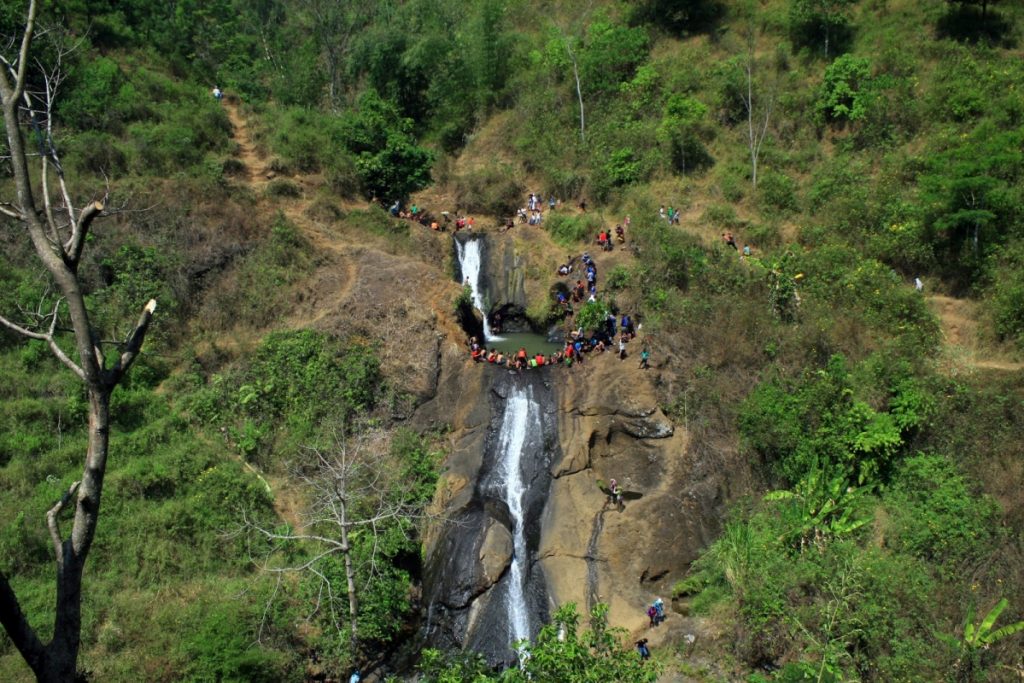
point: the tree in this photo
(58, 232)
(846, 90)
(364, 497)
(827, 19)
(758, 107)
(984, 4)
(568, 43)
(679, 16)
(334, 26)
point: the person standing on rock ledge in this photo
(659, 608)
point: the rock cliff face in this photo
(601, 420)
(506, 273)
(610, 426)
(513, 277)
(606, 424)
(483, 588)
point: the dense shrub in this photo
(845, 91)
(935, 516)
(570, 230)
(778, 192)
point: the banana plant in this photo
(978, 637)
(982, 635)
(825, 507)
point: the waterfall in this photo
(488, 611)
(519, 408)
(470, 265)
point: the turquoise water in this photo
(534, 343)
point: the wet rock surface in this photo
(602, 420)
(469, 552)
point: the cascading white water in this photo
(520, 412)
(470, 263)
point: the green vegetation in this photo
(883, 540)
(561, 653)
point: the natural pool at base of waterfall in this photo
(534, 343)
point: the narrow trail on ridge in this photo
(958, 320)
(256, 176)
(351, 290)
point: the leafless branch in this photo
(53, 524)
(10, 210)
(266, 609)
(133, 344)
(47, 337)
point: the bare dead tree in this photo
(579, 91)
(759, 103)
(568, 37)
(352, 488)
(58, 230)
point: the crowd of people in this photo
(425, 218)
(578, 343)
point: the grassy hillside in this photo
(889, 146)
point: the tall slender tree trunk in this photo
(62, 652)
(579, 91)
(350, 580)
(58, 245)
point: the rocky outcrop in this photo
(610, 426)
(505, 273)
(606, 423)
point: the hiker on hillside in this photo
(659, 608)
(218, 94)
(918, 285)
(645, 356)
(728, 238)
(614, 493)
(620, 234)
(641, 647)
(627, 326)
(622, 346)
